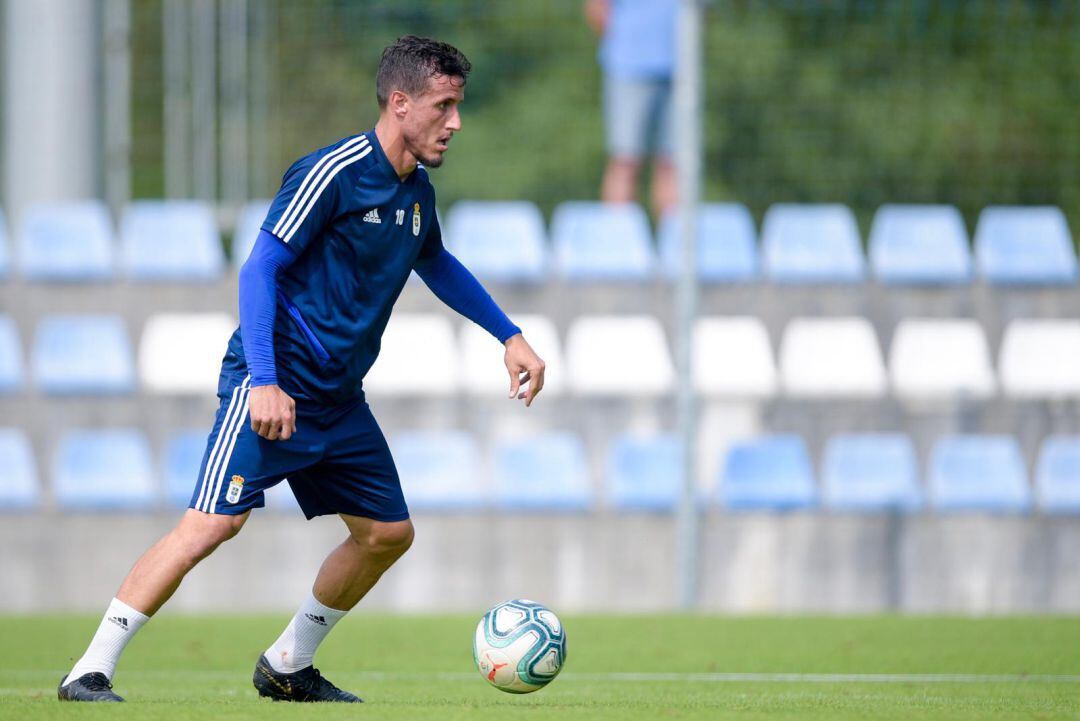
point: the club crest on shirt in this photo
(416, 219)
(235, 486)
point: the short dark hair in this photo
(410, 61)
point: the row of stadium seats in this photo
(507, 241)
(114, 469)
(733, 357)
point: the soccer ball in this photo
(519, 646)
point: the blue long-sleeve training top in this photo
(335, 251)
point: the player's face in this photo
(433, 119)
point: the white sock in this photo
(120, 623)
(295, 648)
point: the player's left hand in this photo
(524, 367)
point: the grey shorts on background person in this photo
(638, 116)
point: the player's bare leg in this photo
(158, 572)
(620, 180)
(150, 583)
(286, 672)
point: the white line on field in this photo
(646, 677)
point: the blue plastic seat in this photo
(247, 230)
(919, 245)
(19, 487)
(602, 242)
(498, 241)
(104, 470)
(5, 251)
(727, 247)
(811, 244)
(170, 240)
(768, 473)
(1057, 478)
(88, 354)
(439, 471)
(545, 472)
(978, 473)
(870, 472)
(180, 465)
(66, 242)
(11, 361)
(1025, 245)
(645, 474)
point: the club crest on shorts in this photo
(235, 486)
(416, 219)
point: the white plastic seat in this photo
(733, 358)
(829, 357)
(1041, 359)
(483, 371)
(181, 352)
(618, 356)
(419, 357)
(933, 358)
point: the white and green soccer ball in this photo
(519, 646)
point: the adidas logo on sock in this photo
(372, 216)
(321, 620)
(119, 621)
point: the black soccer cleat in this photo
(305, 685)
(88, 687)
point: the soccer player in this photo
(348, 225)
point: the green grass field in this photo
(625, 668)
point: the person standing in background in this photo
(637, 57)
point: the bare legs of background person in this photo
(621, 180)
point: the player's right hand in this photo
(273, 413)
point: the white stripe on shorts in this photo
(212, 501)
(211, 461)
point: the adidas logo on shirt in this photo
(119, 621)
(321, 620)
(372, 216)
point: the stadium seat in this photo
(1024, 245)
(66, 242)
(440, 471)
(247, 230)
(11, 357)
(104, 470)
(768, 473)
(498, 241)
(88, 354)
(181, 352)
(419, 357)
(484, 373)
(733, 358)
(727, 247)
(170, 240)
(1057, 477)
(1039, 359)
(978, 473)
(19, 488)
(811, 244)
(5, 252)
(180, 465)
(824, 357)
(645, 473)
(602, 241)
(870, 472)
(932, 359)
(919, 245)
(544, 472)
(644, 364)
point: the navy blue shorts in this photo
(336, 462)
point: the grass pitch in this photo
(624, 667)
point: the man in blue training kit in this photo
(350, 222)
